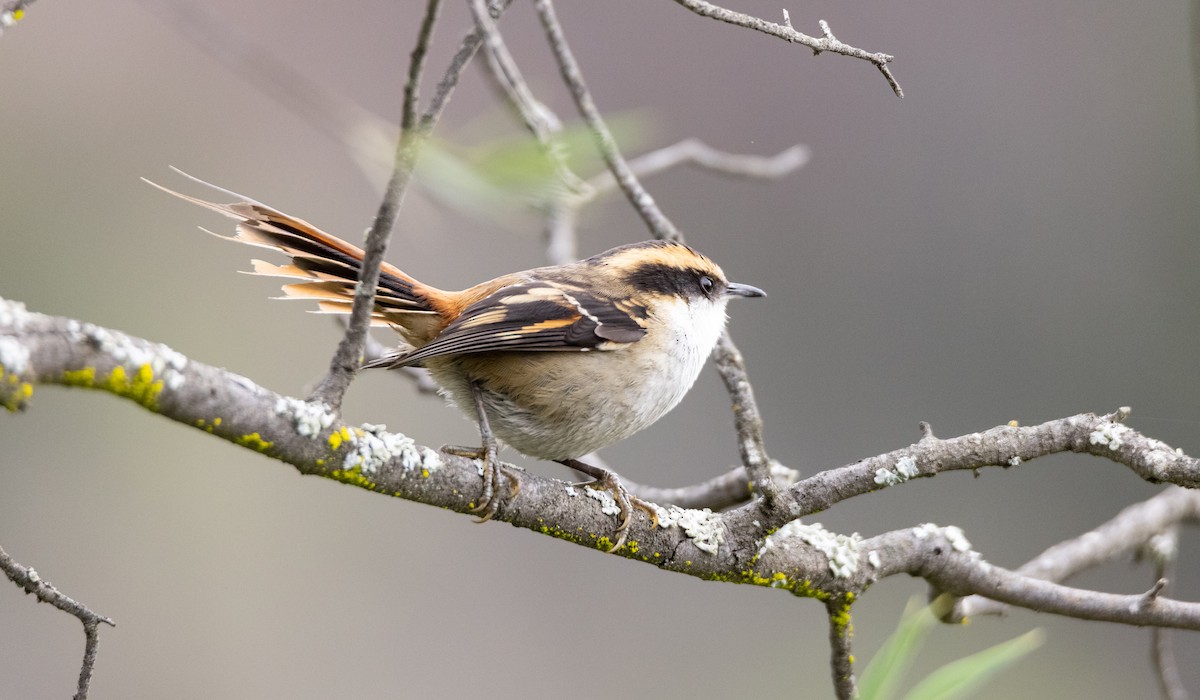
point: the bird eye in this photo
(707, 284)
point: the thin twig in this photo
(541, 122)
(546, 128)
(1163, 550)
(642, 202)
(841, 658)
(31, 582)
(1118, 537)
(749, 425)
(416, 66)
(346, 359)
(728, 489)
(785, 31)
(747, 420)
(695, 151)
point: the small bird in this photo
(557, 362)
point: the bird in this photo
(556, 362)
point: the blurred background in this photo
(1017, 239)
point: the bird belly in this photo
(563, 405)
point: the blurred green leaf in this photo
(890, 664)
(958, 679)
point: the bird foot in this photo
(489, 500)
(625, 502)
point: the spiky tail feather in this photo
(327, 267)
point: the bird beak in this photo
(743, 290)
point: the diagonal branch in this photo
(1117, 538)
(348, 356)
(29, 580)
(729, 361)
(785, 31)
(642, 202)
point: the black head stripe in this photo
(668, 279)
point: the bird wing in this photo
(533, 317)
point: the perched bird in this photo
(557, 362)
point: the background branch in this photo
(29, 580)
(785, 31)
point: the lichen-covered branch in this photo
(802, 558)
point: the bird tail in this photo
(326, 267)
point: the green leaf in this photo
(888, 667)
(959, 679)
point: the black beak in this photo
(743, 290)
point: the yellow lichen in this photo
(254, 441)
(353, 477)
(85, 377)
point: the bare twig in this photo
(346, 359)
(728, 489)
(562, 212)
(416, 66)
(785, 31)
(749, 425)
(31, 582)
(747, 421)
(541, 122)
(697, 152)
(642, 202)
(1119, 537)
(1163, 550)
(546, 129)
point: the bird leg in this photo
(488, 453)
(610, 481)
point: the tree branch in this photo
(729, 360)
(802, 558)
(785, 31)
(841, 657)
(29, 580)
(1117, 538)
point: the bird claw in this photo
(625, 502)
(489, 501)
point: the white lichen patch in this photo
(873, 559)
(571, 491)
(704, 527)
(1109, 434)
(905, 469)
(1162, 548)
(608, 504)
(14, 357)
(13, 314)
(842, 551)
(887, 477)
(371, 447)
(951, 533)
(1014, 461)
(310, 419)
(165, 363)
